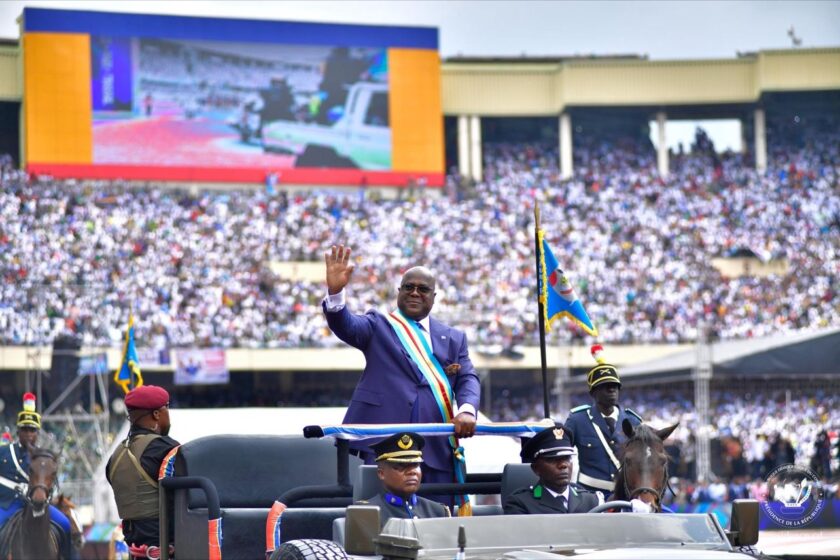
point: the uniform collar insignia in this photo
(397, 501)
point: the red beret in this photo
(147, 397)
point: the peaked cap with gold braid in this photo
(405, 447)
(603, 372)
(28, 418)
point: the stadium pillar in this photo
(662, 145)
(566, 161)
(475, 148)
(702, 376)
(464, 167)
(760, 132)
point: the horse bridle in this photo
(639, 490)
(32, 487)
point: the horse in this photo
(643, 473)
(66, 506)
(28, 534)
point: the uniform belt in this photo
(20, 487)
(607, 485)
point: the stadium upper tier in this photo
(196, 268)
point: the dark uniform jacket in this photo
(596, 467)
(415, 507)
(146, 531)
(537, 499)
(10, 471)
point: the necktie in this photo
(563, 506)
(426, 334)
(610, 423)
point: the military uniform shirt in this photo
(596, 468)
(415, 507)
(538, 499)
(10, 471)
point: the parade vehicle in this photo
(324, 520)
(358, 136)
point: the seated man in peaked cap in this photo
(398, 460)
(550, 453)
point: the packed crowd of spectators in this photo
(195, 268)
(638, 248)
(752, 430)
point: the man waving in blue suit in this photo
(417, 369)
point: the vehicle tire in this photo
(321, 156)
(308, 549)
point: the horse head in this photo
(644, 465)
(43, 476)
(65, 505)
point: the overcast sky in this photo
(677, 29)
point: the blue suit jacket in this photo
(593, 459)
(392, 389)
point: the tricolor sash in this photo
(415, 344)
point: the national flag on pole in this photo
(128, 375)
(557, 294)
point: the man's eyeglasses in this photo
(409, 288)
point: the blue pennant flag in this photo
(557, 294)
(128, 376)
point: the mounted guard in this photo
(596, 430)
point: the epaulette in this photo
(581, 408)
(631, 412)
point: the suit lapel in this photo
(439, 333)
(555, 503)
(598, 418)
(620, 438)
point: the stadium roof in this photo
(784, 354)
(547, 86)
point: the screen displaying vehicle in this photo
(177, 98)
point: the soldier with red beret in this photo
(133, 470)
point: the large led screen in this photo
(158, 97)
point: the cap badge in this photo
(558, 433)
(405, 442)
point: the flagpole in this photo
(131, 376)
(541, 313)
